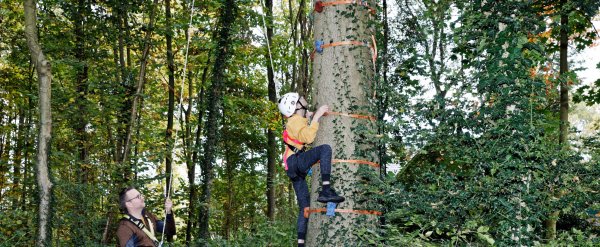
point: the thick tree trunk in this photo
(343, 79)
(45, 79)
(271, 145)
(226, 21)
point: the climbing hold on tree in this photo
(319, 46)
(331, 209)
(319, 6)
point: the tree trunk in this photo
(140, 82)
(28, 140)
(44, 78)
(564, 105)
(171, 65)
(83, 172)
(271, 145)
(343, 77)
(124, 154)
(5, 147)
(228, 11)
(305, 32)
(18, 158)
(192, 165)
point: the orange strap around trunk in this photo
(308, 211)
(372, 118)
(361, 162)
(372, 46)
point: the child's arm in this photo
(320, 112)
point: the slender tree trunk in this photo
(44, 78)
(18, 158)
(125, 170)
(28, 142)
(305, 32)
(171, 65)
(271, 146)
(384, 75)
(564, 106)
(82, 90)
(192, 165)
(83, 172)
(5, 147)
(226, 21)
(140, 82)
(343, 77)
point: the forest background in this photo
(487, 128)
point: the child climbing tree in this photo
(343, 74)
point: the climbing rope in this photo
(180, 112)
(267, 37)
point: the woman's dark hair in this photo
(122, 198)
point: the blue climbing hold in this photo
(331, 209)
(309, 172)
(319, 46)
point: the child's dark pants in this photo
(298, 166)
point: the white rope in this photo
(187, 46)
(267, 39)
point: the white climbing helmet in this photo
(287, 104)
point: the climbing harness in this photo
(319, 5)
(286, 140)
(140, 224)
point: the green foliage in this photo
(17, 228)
(480, 163)
(263, 233)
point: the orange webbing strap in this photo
(361, 162)
(351, 42)
(320, 4)
(372, 46)
(372, 118)
(308, 211)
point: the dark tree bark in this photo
(171, 66)
(18, 157)
(225, 24)
(563, 138)
(195, 156)
(44, 73)
(271, 145)
(80, 121)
